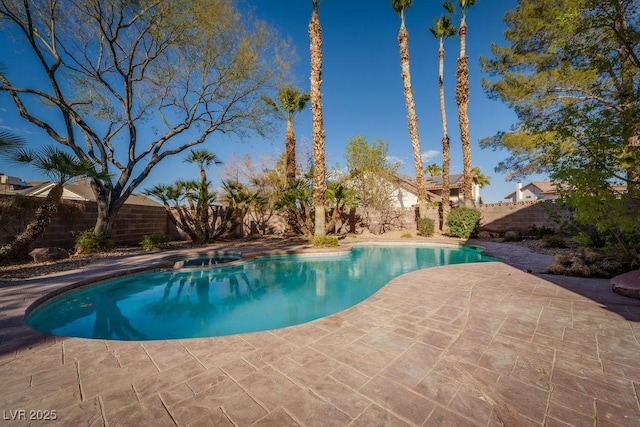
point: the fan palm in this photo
(203, 159)
(61, 167)
(442, 30)
(462, 101)
(171, 197)
(319, 167)
(412, 119)
(9, 141)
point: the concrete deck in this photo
(467, 345)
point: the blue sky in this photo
(362, 88)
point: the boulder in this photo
(627, 284)
(48, 254)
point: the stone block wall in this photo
(132, 222)
(521, 216)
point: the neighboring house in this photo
(544, 190)
(456, 185)
(535, 190)
(77, 190)
(9, 184)
(406, 192)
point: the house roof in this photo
(408, 183)
(78, 190)
(435, 182)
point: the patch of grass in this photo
(406, 235)
(324, 241)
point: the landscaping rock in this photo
(627, 284)
(48, 254)
(376, 229)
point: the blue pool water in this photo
(262, 294)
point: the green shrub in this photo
(463, 222)
(426, 227)
(155, 241)
(324, 241)
(553, 241)
(89, 242)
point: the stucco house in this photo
(405, 194)
(535, 190)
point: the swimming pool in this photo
(261, 294)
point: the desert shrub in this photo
(406, 235)
(463, 222)
(324, 241)
(539, 232)
(89, 242)
(426, 227)
(553, 241)
(511, 236)
(155, 241)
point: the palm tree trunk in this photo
(19, 248)
(319, 184)
(462, 100)
(290, 145)
(412, 118)
(446, 152)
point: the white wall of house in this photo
(402, 198)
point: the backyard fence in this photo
(135, 221)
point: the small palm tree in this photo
(290, 102)
(171, 197)
(204, 159)
(442, 30)
(61, 167)
(462, 101)
(412, 119)
(340, 197)
(319, 166)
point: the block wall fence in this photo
(135, 221)
(131, 224)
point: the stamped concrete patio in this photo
(478, 344)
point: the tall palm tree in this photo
(412, 119)
(61, 167)
(319, 167)
(462, 100)
(442, 30)
(204, 159)
(290, 102)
